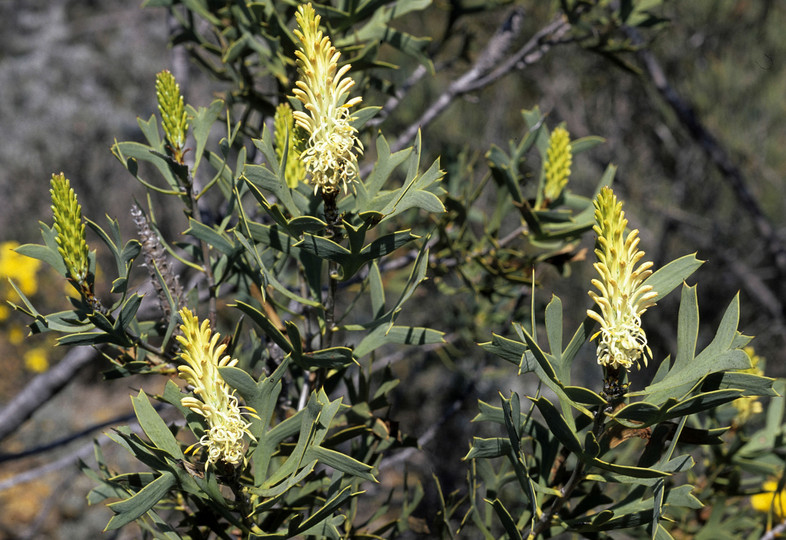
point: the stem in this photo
(334, 233)
(575, 479)
(194, 214)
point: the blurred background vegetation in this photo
(75, 74)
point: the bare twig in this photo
(775, 532)
(83, 452)
(491, 56)
(393, 102)
(42, 389)
(716, 153)
(62, 441)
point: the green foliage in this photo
(315, 286)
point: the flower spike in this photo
(213, 399)
(173, 113)
(330, 153)
(71, 243)
(283, 127)
(559, 158)
(623, 298)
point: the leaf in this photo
(131, 152)
(130, 509)
(488, 448)
(558, 425)
(404, 335)
(155, 427)
(376, 290)
(688, 325)
(384, 166)
(554, 328)
(667, 278)
(47, 253)
(385, 244)
(716, 357)
(341, 462)
(202, 121)
(266, 325)
(513, 351)
(307, 528)
(332, 358)
(215, 239)
(506, 519)
(585, 143)
(412, 194)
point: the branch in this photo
(482, 73)
(715, 152)
(775, 532)
(42, 388)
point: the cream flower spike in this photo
(214, 400)
(623, 298)
(330, 153)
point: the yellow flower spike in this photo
(559, 158)
(216, 402)
(330, 153)
(283, 126)
(173, 113)
(71, 243)
(623, 298)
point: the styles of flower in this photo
(622, 297)
(212, 397)
(330, 152)
(559, 158)
(287, 139)
(173, 113)
(71, 242)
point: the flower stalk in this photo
(212, 399)
(622, 296)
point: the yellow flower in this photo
(770, 500)
(558, 161)
(323, 89)
(15, 335)
(36, 360)
(19, 268)
(213, 399)
(623, 298)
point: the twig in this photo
(490, 57)
(83, 452)
(716, 153)
(429, 434)
(773, 534)
(62, 441)
(394, 101)
(42, 388)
